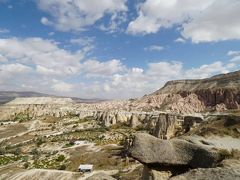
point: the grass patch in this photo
(4, 160)
(57, 162)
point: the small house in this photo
(80, 142)
(85, 168)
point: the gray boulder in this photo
(151, 150)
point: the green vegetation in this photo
(57, 162)
(9, 159)
(22, 117)
(60, 158)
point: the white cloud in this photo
(218, 22)
(3, 59)
(180, 40)
(4, 30)
(165, 69)
(200, 21)
(76, 15)
(62, 87)
(156, 14)
(45, 21)
(233, 53)
(154, 48)
(12, 70)
(44, 54)
(51, 33)
(95, 68)
(207, 70)
(34, 62)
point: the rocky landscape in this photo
(189, 129)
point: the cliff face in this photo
(220, 92)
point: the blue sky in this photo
(117, 48)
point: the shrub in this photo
(62, 167)
(26, 165)
(34, 152)
(60, 158)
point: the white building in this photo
(80, 142)
(85, 168)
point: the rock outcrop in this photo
(151, 150)
(166, 126)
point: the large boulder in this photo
(150, 150)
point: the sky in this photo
(114, 49)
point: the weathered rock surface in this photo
(166, 126)
(100, 176)
(151, 150)
(229, 171)
(42, 174)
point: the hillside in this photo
(220, 92)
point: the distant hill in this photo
(6, 96)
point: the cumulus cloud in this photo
(42, 65)
(61, 86)
(207, 70)
(76, 15)
(11, 70)
(44, 54)
(156, 14)
(200, 21)
(95, 68)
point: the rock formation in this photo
(151, 150)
